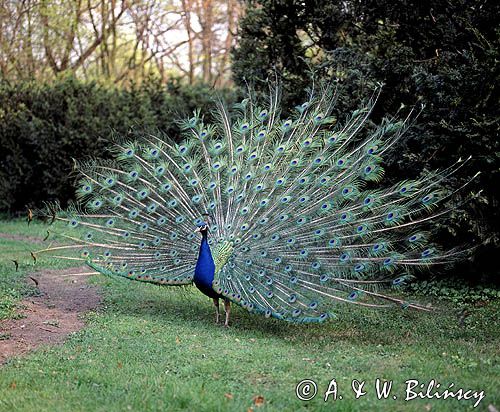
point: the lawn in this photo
(151, 348)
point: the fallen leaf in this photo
(13, 385)
(228, 395)
(250, 410)
(177, 340)
(258, 400)
(120, 365)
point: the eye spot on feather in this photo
(142, 194)
(275, 237)
(388, 261)
(301, 221)
(296, 313)
(261, 135)
(283, 217)
(353, 296)
(333, 243)
(294, 279)
(391, 216)
(304, 253)
(359, 267)
(344, 257)
(110, 222)
(264, 220)
(340, 162)
(165, 187)
(427, 252)
(319, 232)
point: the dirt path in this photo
(23, 238)
(52, 316)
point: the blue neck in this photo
(205, 268)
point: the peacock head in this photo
(202, 227)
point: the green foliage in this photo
(44, 126)
(443, 55)
(453, 291)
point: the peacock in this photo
(283, 215)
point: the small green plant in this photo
(8, 303)
(453, 291)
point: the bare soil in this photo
(50, 317)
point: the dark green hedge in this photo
(43, 126)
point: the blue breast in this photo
(205, 270)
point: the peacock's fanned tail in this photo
(299, 219)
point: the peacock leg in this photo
(216, 304)
(227, 309)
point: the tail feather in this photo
(300, 221)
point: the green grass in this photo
(151, 348)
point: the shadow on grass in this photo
(189, 308)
